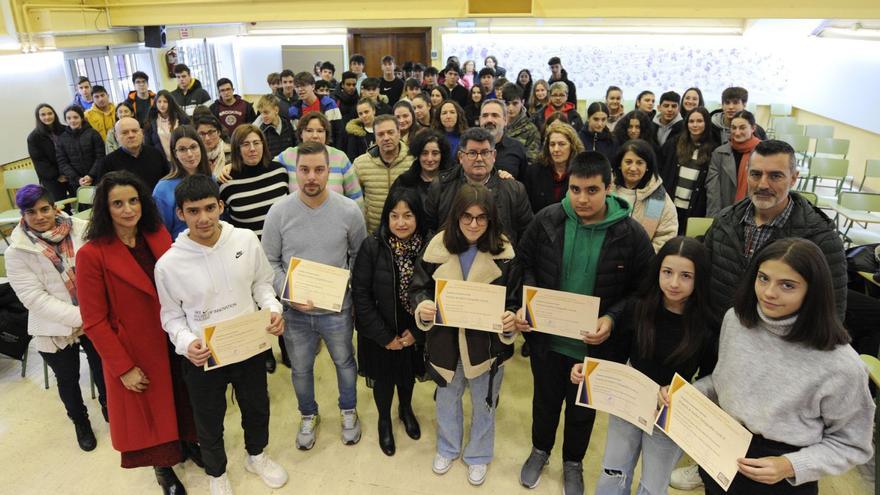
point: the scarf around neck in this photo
(746, 148)
(405, 252)
(57, 246)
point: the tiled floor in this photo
(39, 454)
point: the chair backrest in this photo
(830, 168)
(18, 178)
(819, 131)
(873, 365)
(831, 146)
(788, 127)
(780, 109)
(809, 196)
(860, 201)
(85, 195)
(800, 143)
(85, 214)
(872, 169)
(697, 226)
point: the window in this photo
(196, 56)
(109, 68)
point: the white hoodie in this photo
(200, 285)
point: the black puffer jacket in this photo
(80, 152)
(41, 149)
(510, 198)
(625, 258)
(603, 142)
(538, 181)
(726, 236)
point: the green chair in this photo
(809, 196)
(819, 131)
(873, 365)
(698, 226)
(85, 214)
(780, 110)
(781, 124)
(14, 180)
(857, 208)
(872, 170)
(833, 169)
(831, 146)
(788, 127)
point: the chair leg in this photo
(45, 375)
(24, 363)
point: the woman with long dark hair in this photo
(785, 371)
(422, 109)
(164, 116)
(79, 150)
(147, 401)
(637, 125)
(472, 109)
(470, 247)
(595, 135)
(669, 329)
(189, 156)
(390, 347)
(524, 81)
(449, 119)
(41, 143)
(691, 99)
(433, 156)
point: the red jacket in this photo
(120, 311)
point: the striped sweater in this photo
(251, 192)
(343, 179)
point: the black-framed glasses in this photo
(472, 155)
(467, 219)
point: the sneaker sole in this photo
(690, 486)
(268, 483)
(523, 483)
(442, 471)
(352, 442)
(309, 446)
(477, 482)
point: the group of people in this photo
(190, 227)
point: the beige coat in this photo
(661, 223)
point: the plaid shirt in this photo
(758, 235)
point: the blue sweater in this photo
(163, 195)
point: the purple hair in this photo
(27, 196)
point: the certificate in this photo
(469, 305)
(620, 390)
(704, 431)
(234, 340)
(324, 285)
(565, 314)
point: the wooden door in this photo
(404, 44)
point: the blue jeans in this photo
(301, 334)
(450, 417)
(622, 448)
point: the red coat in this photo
(120, 311)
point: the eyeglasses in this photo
(467, 219)
(472, 155)
(183, 150)
(252, 144)
(558, 95)
(211, 133)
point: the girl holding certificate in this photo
(787, 373)
(146, 398)
(390, 347)
(671, 331)
(470, 247)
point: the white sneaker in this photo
(308, 431)
(441, 464)
(220, 485)
(272, 474)
(351, 427)
(686, 478)
(477, 473)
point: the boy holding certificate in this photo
(212, 273)
(587, 244)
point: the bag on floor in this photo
(14, 336)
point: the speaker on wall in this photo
(154, 36)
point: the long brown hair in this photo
(473, 195)
(566, 131)
(238, 136)
(461, 123)
(685, 145)
(176, 169)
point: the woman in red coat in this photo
(149, 415)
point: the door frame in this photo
(390, 31)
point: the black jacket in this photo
(726, 236)
(603, 142)
(412, 179)
(510, 198)
(278, 142)
(150, 164)
(41, 149)
(80, 153)
(510, 156)
(625, 258)
(197, 95)
(538, 181)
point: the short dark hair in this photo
(645, 151)
(287, 73)
(469, 195)
(735, 93)
(387, 59)
(303, 79)
(412, 83)
(82, 79)
(597, 106)
(511, 92)
(320, 83)
(98, 89)
(208, 119)
(101, 223)
(612, 88)
(29, 195)
(817, 325)
(348, 75)
(772, 147)
(139, 74)
(418, 67)
(670, 96)
(477, 134)
(590, 164)
(196, 187)
(304, 122)
(554, 61)
(452, 68)
(407, 66)
(430, 71)
(370, 83)
(329, 66)
(410, 196)
(224, 80)
(180, 69)
(312, 148)
(357, 58)
(486, 71)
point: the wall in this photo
(863, 145)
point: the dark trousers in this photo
(862, 315)
(760, 447)
(552, 387)
(65, 365)
(207, 394)
(383, 394)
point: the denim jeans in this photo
(622, 448)
(450, 417)
(301, 334)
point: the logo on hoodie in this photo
(238, 254)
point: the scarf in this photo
(217, 158)
(163, 129)
(742, 182)
(57, 246)
(405, 252)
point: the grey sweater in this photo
(793, 394)
(331, 234)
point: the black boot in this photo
(525, 350)
(193, 452)
(169, 481)
(270, 362)
(85, 437)
(410, 423)
(386, 437)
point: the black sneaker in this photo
(530, 474)
(85, 437)
(572, 478)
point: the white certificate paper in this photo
(324, 285)
(556, 312)
(620, 390)
(704, 431)
(234, 340)
(469, 305)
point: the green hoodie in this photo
(580, 258)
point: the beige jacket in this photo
(653, 209)
(376, 178)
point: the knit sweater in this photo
(251, 192)
(342, 178)
(791, 393)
